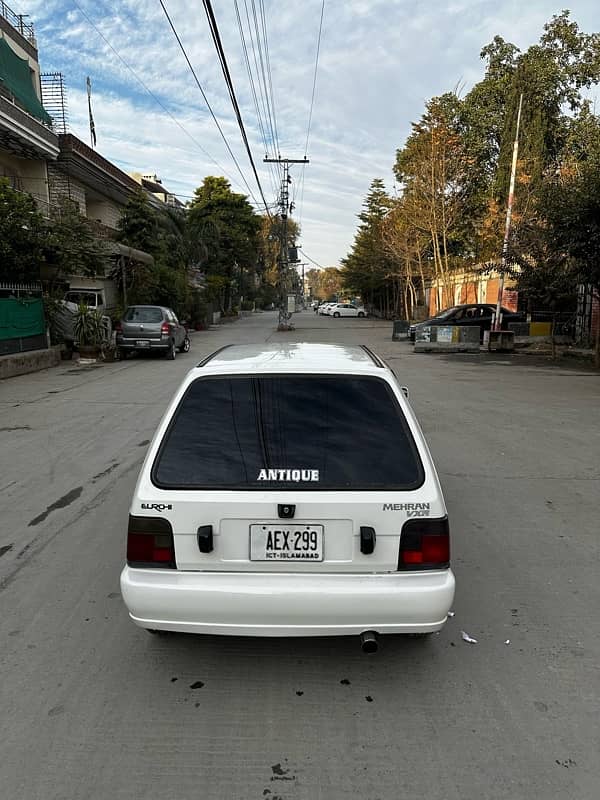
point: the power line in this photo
(269, 74)
(260, 70)
(312, 261)
(250, 75)
(261, 123)
(192, 197)
(222, 58)
(312, 99)
(149, 91)
(264, 92)
(301, 196)
(312, 103)
(193, 71)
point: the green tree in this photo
(559, 247)
(410, 250)
(484, 120)
(551, 76)
(172, 246)
(331, 282)
(454, 170)
(71, 246)
(22, 235)
(223, 233)
(138, 224)
(314, 284)
(434, 170)
(269, 257)
(368, 264)
(162, 234)
(572, 212)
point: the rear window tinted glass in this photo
(293, 431)
(137, 314)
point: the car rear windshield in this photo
(137, 314)
(292, 431)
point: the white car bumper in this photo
(285, 604)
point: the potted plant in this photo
(109, 353)
(89, 331)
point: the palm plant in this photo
(88, 328)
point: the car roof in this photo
(293, 357)
(471, 305)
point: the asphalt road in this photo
(94, 708)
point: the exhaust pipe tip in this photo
(369, 642)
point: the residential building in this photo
(28, 141)
(154, 185)
(98, 187)
(100, 190)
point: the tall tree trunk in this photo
(597, 346)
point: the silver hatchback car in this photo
(151, 328)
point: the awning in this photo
(16, 76)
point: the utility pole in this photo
(284, 210)
(303, 284)
(509, 207)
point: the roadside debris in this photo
(467, 638)
(507, 641)
(451, 613)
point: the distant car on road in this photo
(346, 310)
(324, 308)
(74, 299)
(473, 314)
(151, 328)
(289, 491)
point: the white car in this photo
(324, 308)
(346, 310)
(288, 491)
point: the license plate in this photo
(286, 542)
(142, 343)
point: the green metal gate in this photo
(22, 325)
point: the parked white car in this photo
(324, 308)
(346, 310)
(288, 491)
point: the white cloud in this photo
(380, 61)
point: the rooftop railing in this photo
(18, 22)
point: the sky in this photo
(379, 63)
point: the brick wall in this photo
(491, 292)
(468, 293)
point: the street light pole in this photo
(511, 193)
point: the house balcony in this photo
(22, 134)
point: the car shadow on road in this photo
(328, 651)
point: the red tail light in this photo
(424, 544)
(150, 543)
(118, 327)
(164, 328)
